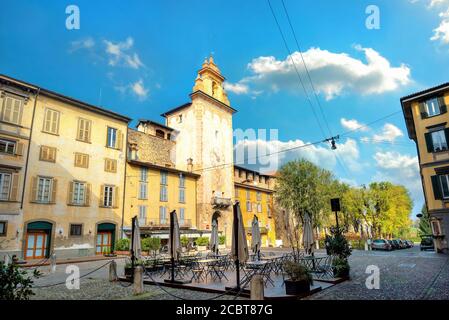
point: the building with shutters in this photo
(66, 189)
(427, 121)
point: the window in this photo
(247, 194)
(81, 160)
(180, 118)
(114, 138)
(142, 215)
(182, 189)
(248, 206)
(79, 193)
(12, 110)
(268, 210)
(84, 128)
(108, 196)
(259, 207)
(160, 133)
(45, 190)
(110, 165)
(439, 140)
(76, 229)
(47, 154)
(143, 174)
(237, 192)
(432, 107)
(143, 190)
(5, 185)
(181, 216)
(163, 215)
(436, 140)
(163, 192)
(436, 227)
(3, 225)
(7, 146)
(51, 121)
(258, 196)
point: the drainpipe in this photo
(124, 182)
(28, 149)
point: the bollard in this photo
(6, 260)
(366, 246)
(138, 280)
(317, 244)
(113, 271)
(257, 288)
(53, 263)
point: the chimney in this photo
(190, 165)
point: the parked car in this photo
(396, 244)
(381, 244)
(391, 244)
(427, 243)
(409, 243)
(402, 244)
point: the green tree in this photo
(15, 283)
(424, 227)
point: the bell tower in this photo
(210, 81)
(204, 145)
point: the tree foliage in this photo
(381, 209)
(15, 283)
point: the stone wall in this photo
(152, 149)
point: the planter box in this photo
(222, 246)
(122, 253)
(202, 248)
(296, 288)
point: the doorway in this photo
(37, 240)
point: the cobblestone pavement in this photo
(404, 274)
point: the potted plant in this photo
(340, 268)
(122, 246)
(299, 278)
(202, 243)
(107, 252)
(151, 245)
(222, 242)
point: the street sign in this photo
(335, 204)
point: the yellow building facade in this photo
(254, 191)
(74, 178)
(427, 121)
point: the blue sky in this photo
(140, 58)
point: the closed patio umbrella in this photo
(307, 238)
(214, 236)
(256, 241)
(136, 245)
(174, 241)
(241, 234)
(239, 247)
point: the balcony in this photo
(220, 203)
(164, 223)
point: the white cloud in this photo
(435, 3)
(400, 169)
(441, 33)
(320, 155)
(389, 133)
(333, 74)
(137, 88)
(87, 43)
(237, 88)
(353, 125)
(119, 54)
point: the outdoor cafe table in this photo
(311, 262)
(207, 265)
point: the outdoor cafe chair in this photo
(197, 272)
(265, 272)
(218, 269)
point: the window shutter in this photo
(101, 196)
(19, 111)
(19, 149)
(52, 153)
(54, 187)
(13, 196)
(429, 142)
(87, 195)
(436, 187)
(443, 107)
(80, 129)
(119, 140)
(70, 193)
(47, 120)
(86, 161)
(33, 190)
(55, 122)
(88, 130)
(8, 109)
(116, 197)
(422, 110)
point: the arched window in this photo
(160, 133)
